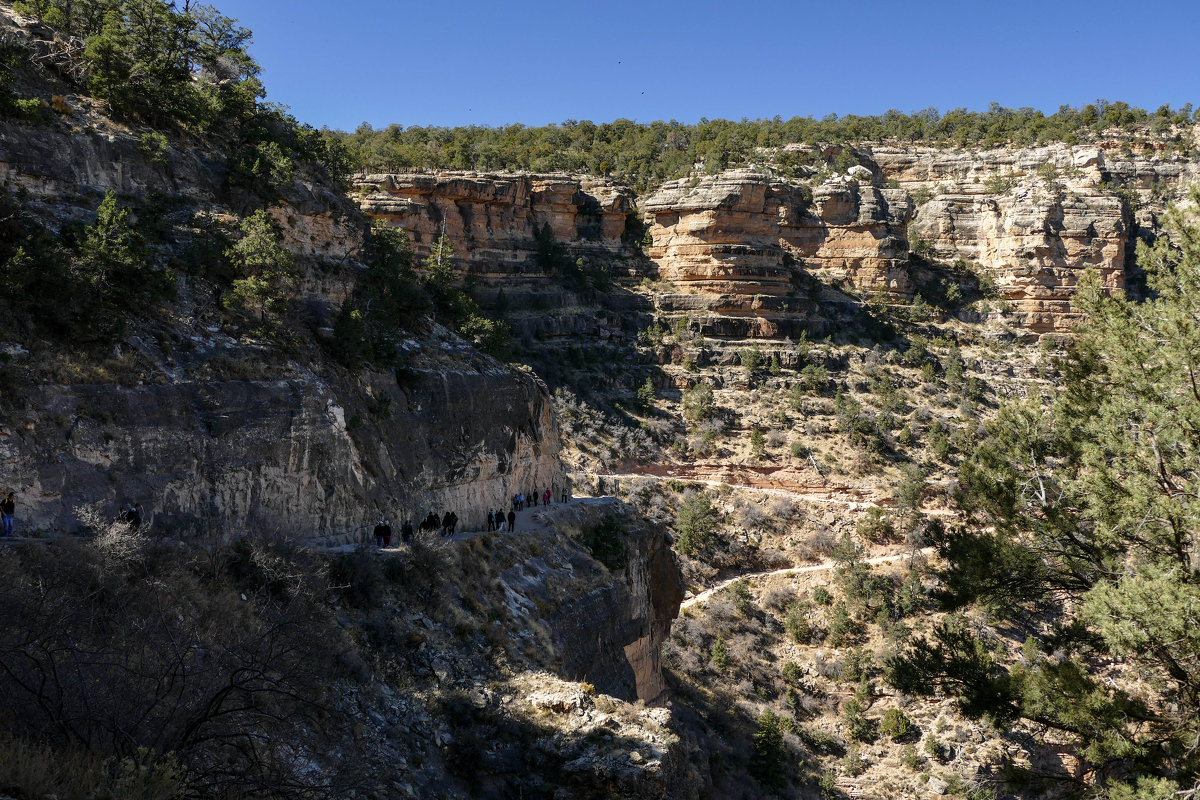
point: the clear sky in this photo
(461, 62)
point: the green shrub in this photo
(751, 359)
(796, 623)
(768, 758)
(821, 596)
(743, 600)
(858, 726)
(696, 523)
(895, 724)
(719, 655)
(698, 404)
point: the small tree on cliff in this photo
(265, 266)
(450, 302)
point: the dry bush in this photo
(778, 598)
(775, 438)
(748, 515)
(822, 542)
(110, 654)
(781, 507)
(770, 558)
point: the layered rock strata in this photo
(494, 220)
(303, 456)
(736, 247)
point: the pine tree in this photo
(1094, 497)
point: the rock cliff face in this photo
(303, 455)
(215, 432)
(1034, 219)
(494, 220)
(735, 247)
(737, 252)
(606, 626)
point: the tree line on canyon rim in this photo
(646, 154)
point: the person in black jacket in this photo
(8, 509)
(512, 521)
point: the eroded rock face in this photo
(736, 245)
(219, 436)
(493, 220)
(306, 456)
(607, 626)
(1036, 245)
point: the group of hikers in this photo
(447, 523)
(497, 520)
(130, 515)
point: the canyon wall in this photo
(734, 247)
(306, 455)
(494, 220)
(747, 254)
(217, 431)
(606, 626)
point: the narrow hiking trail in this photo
(783, 482)
(828, 564)
(529, 520)
(776, 481)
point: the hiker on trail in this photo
(446, 524)
(546, 498)
(453, 522)
(533, 498)
(387, 534)
(134, 516)
(512, 521)
(566, 497)
(491, 520)
(406, 532)
(431, 522)
(8, 508)
(379, 534)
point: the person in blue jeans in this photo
(8, 507)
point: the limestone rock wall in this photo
(1035, 244)
(493, 220)
(306, 456)
(607, 627)
(735, 246)
(218, 434)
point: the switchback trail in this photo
(779, 482)
(823, 566)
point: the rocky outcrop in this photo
(494, 220)
(1035, 244)
(607, 626)
(737, 246)
(304, 455)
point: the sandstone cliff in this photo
(211, 428)
(738, 252)
(494, 220)
(733, 248)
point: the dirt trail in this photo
(823, 566)
(777, 481)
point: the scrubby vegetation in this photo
(645, 154)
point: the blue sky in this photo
(488, 63)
